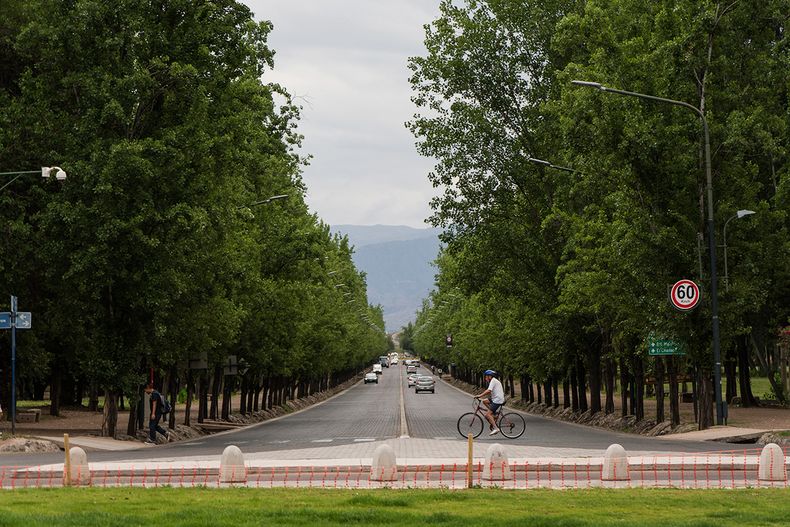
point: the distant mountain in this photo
(362, 235)
(398, 263)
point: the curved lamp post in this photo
(45, 172)
(711, 229)
(550, 165)
(740, 214)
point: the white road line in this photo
(404, 427)
(322, 440)
(281, 442)
(364, 439)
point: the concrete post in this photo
(497, 467)
(384, 467)
(79, 472)
(615, 464)
(772, 464)
(231, 467)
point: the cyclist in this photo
(495, 398)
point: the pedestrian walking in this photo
(155, 405)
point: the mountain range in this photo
(398, 263)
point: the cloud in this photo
(345, 61)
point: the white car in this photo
(371, 377)
(377, 369)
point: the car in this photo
(393, 360)
(371, 377)
(384, 361)
(411, 369)
(412, 379)
(377, 369)
(424, 383)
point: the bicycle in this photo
(511, 424)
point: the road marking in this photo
(404, 427)
(445, 437)
(364, 439)
(322, 440)
(280, 442)
(195, 443)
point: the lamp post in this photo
(550, 165)
(711, 229)
(45, 172)
(263, 202)
(740, 214)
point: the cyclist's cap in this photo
(490, 372)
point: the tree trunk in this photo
(173, 387)
(555, 384)
(639, 379)
(54, 393)
(110, 419)
(574, 390)
(131, 425)
(659, 389)
(747, 398)
(566, 392)
(674, 401)
(244, 389)
(623, 387)
(215, 387)
(203, 397)
(730, 368)
(582, 382)
(594, 356)
(188, 403)
(610, 373)
(705, 399)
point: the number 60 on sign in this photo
(684, 295)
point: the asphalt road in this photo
(371, 412)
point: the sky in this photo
(345, 62)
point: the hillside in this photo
(397, 261)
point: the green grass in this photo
(490, 507)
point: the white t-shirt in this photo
(497, 392)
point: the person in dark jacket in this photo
(155, 406)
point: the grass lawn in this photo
(490, 507)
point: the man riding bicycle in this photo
(495, 398)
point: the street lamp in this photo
(550, 165)
(263, 202)
(711, 229)
(45, 172)
(740, 214)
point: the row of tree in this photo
(161, 249)
(556, 271)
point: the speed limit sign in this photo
(684, 295)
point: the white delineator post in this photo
(497, 467)
(231, 467)
(772, 464)
(79, 472)
(615, 464)
(383, 466)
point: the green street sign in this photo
(657, 346)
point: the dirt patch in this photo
(23, 444)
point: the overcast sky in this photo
(345, 61)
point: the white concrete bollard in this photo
(231, 467)
(772, 464)
(615, 464)
(80, 472)
(497, 467)
(384, 467)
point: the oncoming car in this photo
(425, 383)
(412, 379)
(371, 377)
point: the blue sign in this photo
(5, 320)
(24, 320)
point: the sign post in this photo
(662, 346)
(13, 321)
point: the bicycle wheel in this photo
(512, 425)
(470, 423)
